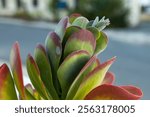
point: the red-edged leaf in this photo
(90, 66)
(70, 68)
(109, 78)
(29, 92)
(81, 40)
(54, 51)
(111, 92)
(73, 17)
(93, 79)
(7, 88)
(16, 66)
(32, 92)
(34, 75)
(69, 31)
(80, 22)
(137, 92)
(76, 83)
(45, 69)
(95, 32)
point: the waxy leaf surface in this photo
(45, 70)
(93, 79)
(29, 92)
(69, 31)
(95, 32)
(16, 67)
(101, 43)
(34, 75)
(7, 88)
(73, 17)
(80, 22)
(78, 80)
(54, 52)
(81, 40)
(111, 92)
(70, 68)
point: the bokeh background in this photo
(29, 22)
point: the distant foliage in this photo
(113, 9)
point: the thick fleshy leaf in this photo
(16, 66)
(69, 31)
(61, 27)
(90, 65)
(70, 68)
(95, 21)
(73, 17)
(7, 88)
(34, 75)
(95, 32)
(93, 79)
(109, 78)
(33, 92)
(54, 49)
(54, 52)
(81, 40)
(99, 24)
(45, 70)
(29, 92)
(101, 43)
(76, 83)
(80, 22)
(111, 92)
(102, 23)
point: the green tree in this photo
(113, 9)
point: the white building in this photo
(134, 7)
(8, 9)
(35, 8)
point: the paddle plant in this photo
(67, 67)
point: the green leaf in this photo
(93, 79)
(102, 23)
(70, 68)
(69, 31)
(7, 88)
(95, 32)
(95, 21)
(81, 40)
(31, 93)
(34, 75)
(45, 70)
(80, 22)
(101, 43)
(73, 17)
(16, 66)
(54, 51)
(61, 27)
(89, 66)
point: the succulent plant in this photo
(67, 67)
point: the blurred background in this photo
(29, 21)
